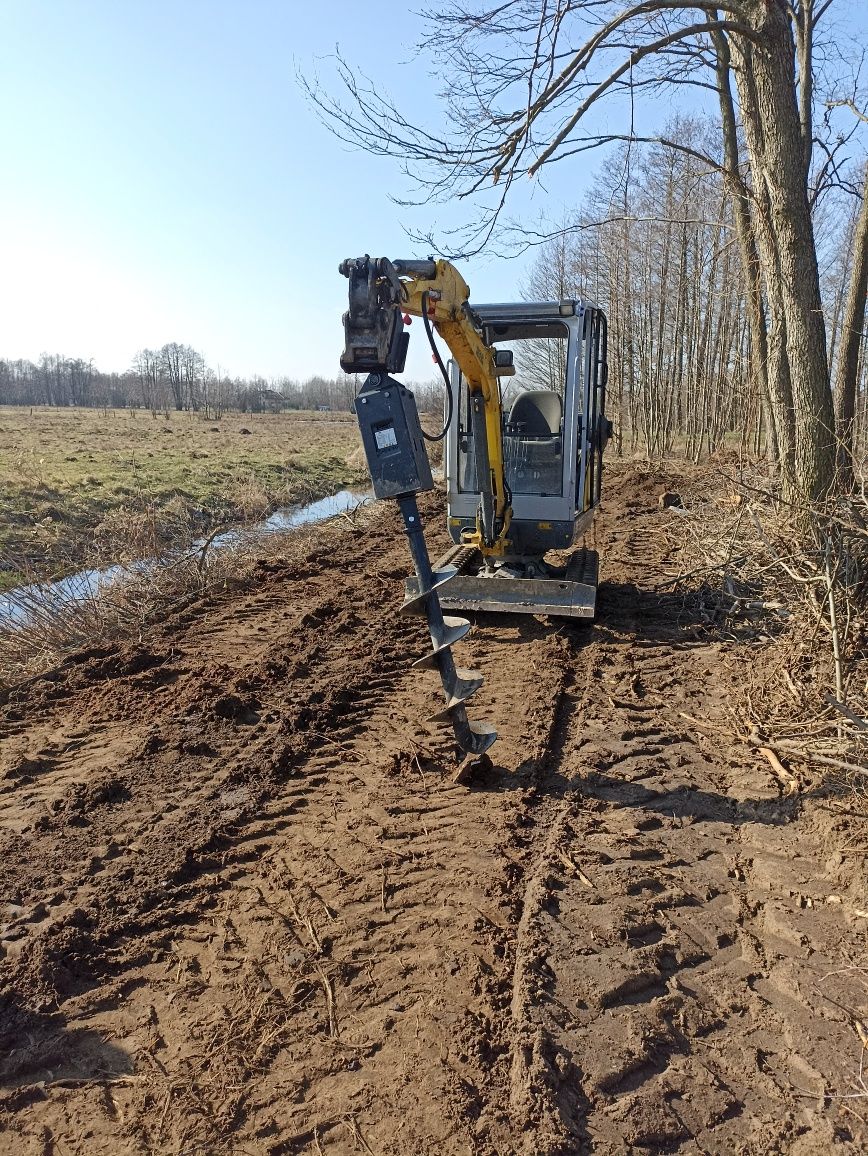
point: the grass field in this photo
(85, 485)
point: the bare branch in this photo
(633, 59)
(851, 104)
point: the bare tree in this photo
(522, 78)
(662, 264)
(81, 374)
(853, 333)
(192, 374)
(147, 367)
(172, 357)
(52, 379)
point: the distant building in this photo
(259, 400)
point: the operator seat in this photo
(532, 445)
(536, 413)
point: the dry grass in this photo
(793, 583)
(92, 486)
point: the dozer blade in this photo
(572, 596)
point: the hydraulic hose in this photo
(426, 321)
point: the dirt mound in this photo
(248, 911)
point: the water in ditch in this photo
(22, 603)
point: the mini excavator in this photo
(523, 461)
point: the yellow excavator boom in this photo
(446, 297)
(381, 292)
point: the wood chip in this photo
(784, 777)
(574, 869)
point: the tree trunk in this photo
(744, 229)
(847, 375)
(765, 76)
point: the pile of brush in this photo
(793, 582)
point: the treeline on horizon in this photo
(176, 377)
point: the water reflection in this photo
(19, 605)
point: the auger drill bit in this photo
(458, 683)
(376, 344)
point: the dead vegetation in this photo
(45, 627)
(775, 574)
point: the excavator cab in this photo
(554, 432)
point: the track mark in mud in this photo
(654, 1004)
(263, 910)
(293, 835)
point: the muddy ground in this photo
(247, 911)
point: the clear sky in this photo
(163, 179)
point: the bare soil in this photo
(248, 911)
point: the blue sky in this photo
(163, 179)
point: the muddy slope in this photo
(247, 910)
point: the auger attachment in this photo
(458, 683)
(375, 343)
(399, 467)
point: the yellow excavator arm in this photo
(446, 296)
(381, 291)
